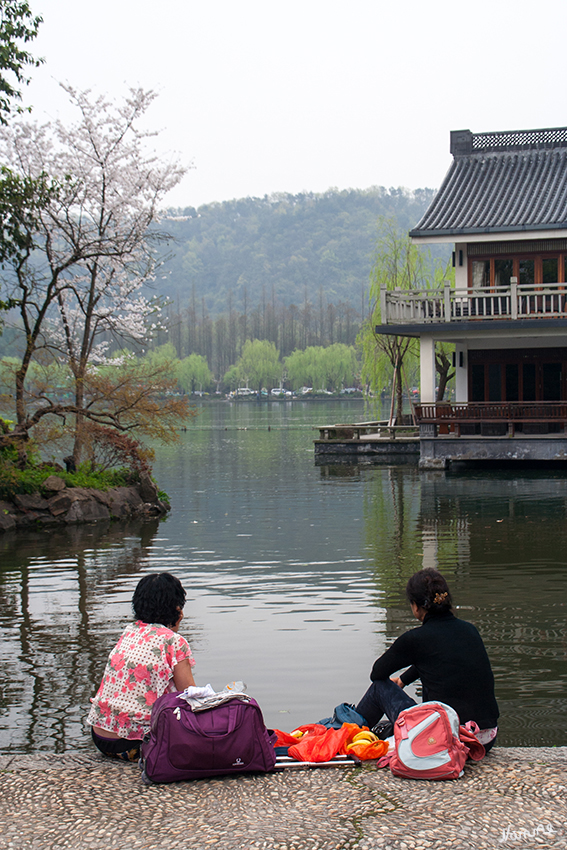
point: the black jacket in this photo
(449, 657)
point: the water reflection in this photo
(57, 590)
(499, 537)
(295, 576)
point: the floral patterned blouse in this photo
(138, 671)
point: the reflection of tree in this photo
(391, 506)
(501, 538)
(52, 658)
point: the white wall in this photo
(461, 373)
(426, 368)
(461, 274)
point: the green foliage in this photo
(398, 264)
(99, 479)
(340, 366)
(193, 373)
(322, 368)
(161, 354)
(388, 359)
(17, 27)
(231, 378)
(21, 199)
(259, 365)
(31, 479)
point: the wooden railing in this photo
(528, 301)
(510, 413)
(359, 430)
(492, 411)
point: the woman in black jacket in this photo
(446, 653)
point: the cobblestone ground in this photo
(516, 798)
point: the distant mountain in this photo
(281, 247)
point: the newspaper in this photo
(201, 698)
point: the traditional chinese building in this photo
(503, 204)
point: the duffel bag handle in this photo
(234, 719)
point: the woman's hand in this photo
(183, 675)
(397, 681)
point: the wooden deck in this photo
(377, 438)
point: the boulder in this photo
(54, 483)
(147, 489)
(124, 501)
(80, 504)
(87, 511)
(7, 520)
(28, 518)
(30, 502)
(60, 503)
(101, 496)
(79, 494)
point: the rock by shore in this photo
(63, 505)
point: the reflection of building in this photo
(504, 205)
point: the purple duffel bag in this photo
(183, 744)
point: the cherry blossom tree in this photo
(96, 242)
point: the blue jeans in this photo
(383, 697)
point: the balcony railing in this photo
(516, 301)
(534, 417)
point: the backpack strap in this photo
(471, 742)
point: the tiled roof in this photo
(501, 183)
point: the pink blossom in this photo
(151, 697)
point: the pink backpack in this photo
(427, 744)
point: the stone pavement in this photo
(515, 798)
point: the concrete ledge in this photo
(525, 448)
(369, 446)
(515, 798)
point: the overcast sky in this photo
(268, 96)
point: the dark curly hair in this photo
(429, 590)
(159, 598)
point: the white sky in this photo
(266, 96)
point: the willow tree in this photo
(192, 371)
(322, 367)
(398, 264)
(259, 364)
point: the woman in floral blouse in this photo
(150, 659)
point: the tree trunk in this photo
(443, 367)
(399, 394)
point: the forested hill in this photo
(281, 247)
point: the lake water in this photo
(295, 576)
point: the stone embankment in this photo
(63, 505)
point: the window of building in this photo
(503, 271)
(534, 270)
